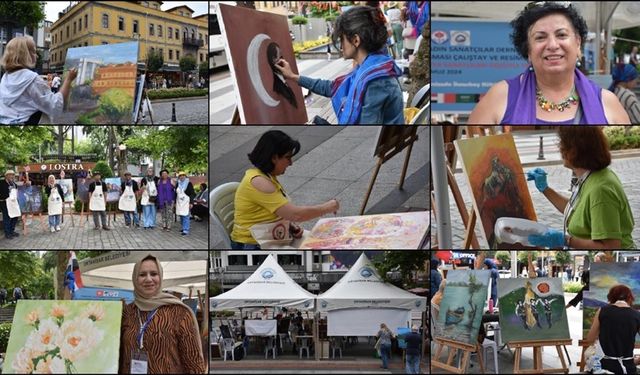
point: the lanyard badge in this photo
(139, 357)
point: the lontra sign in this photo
(56, 167)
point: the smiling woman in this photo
(553, 90)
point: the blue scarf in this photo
(418, 16)
(623, 73)
(183, 184)
(347, 92)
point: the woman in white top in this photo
(23, 95)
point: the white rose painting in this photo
(64, 337)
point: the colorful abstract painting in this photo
(104, 90)
(602, 277)
(255, 41)
(532, 309)
(497, 181)
(385, 231)
(64, 337)
(462, 305)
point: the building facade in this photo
(174, 33)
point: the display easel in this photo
(82, 213)
(455, 346)
(537, 356)
(25, 216)
(141, 100)
(391, 141)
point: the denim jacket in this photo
(382, 100)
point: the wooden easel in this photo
(142, 103)
(386, 152)
(537, 356)
(455, 346)
(24, 218)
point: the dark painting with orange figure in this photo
(496, 178)
(255, 41)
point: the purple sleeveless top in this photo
(521, 102)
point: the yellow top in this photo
(255, 207)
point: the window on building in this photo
(237, 260)
(177, 34)
(201, 58)
(290, 260)
(185, 34)
(74, 28)
(80, 24)
(86, 21)
(170, 54)
(170, 32)
(162, 53)
(86, 44)
(193, 34)
(67, 31)
(105, 21)
(160, 31)
(104, 43)
(121, 23)
(152, 29)
(135, 27)
(177, 55)
(200, 36)
(258, 259)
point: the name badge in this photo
(139, 362)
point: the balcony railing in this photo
(192, 42)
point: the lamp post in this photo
(122, 159)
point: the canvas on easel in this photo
(255, 40)
(496, 179)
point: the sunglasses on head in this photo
(539, 4)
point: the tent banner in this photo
(365, 322)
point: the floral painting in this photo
(64, 337)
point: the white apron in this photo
(127, 200)
(182, 203)
(149, 191)
(96, 203)
(13, 207)
(55, 203)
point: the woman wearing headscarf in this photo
(54, 194)
(159, 333)
(625, 80)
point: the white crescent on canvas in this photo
(254, 71)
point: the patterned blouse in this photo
(171, 341)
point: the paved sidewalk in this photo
(334, 162)
(83, 236)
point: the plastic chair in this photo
(271, 345)
(221, 209)
(490, 344)
(227, 346)
(304, 345)
(336, 343)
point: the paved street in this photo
(296, 366)
(188, 111)
(334, 162)
(559, 178)
(83, 236)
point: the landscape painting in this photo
(114, 189)
(64, 337)
(603, 276)
(385, 231)
(532, 309)
(497, 181)
(104, 90)
(67, 189)
(462, 305)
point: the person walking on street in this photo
(413, 351)
(384, 336)
(17, 294)
(3, 296)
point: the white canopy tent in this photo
(269, 285)
(184, 271)
(360, 301)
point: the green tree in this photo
(20, 13)
(523, 256)
(17, 269)
(187, 63)
(563, 258)
(203, 70)
(115, 104)
(155, 61)
(299, 20)
(104, 169)
(504, 257)
(19, 143)
(406, 262)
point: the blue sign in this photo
(467, 58)
(103, 294)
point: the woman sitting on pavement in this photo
(24, 96)
(261, 198)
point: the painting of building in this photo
(602, 277)
(103, 92)
(255, 42)
(462, 305)
(532, 309)
(494, 173)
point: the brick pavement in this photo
(83, 236)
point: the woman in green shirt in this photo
(597, 215)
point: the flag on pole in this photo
(73, 278)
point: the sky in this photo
(52, 8)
